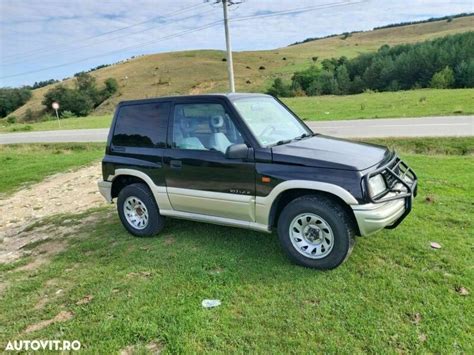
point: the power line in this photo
(66, 50)
(298, 10)
(177, 12)
(118, 50)
(179, 34)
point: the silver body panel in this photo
(249, 211)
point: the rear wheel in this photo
(138, 211)
(316, 232)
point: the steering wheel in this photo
(270, 130)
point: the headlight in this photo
(376, 185)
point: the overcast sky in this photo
(44, 39)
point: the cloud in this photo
(40, 34)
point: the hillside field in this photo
(200, 71)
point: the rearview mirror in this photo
(237, 151)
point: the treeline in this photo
(12, 98)
(401, 24)
(448, 18)
(82, 99)
(40, 84)
(446, 62)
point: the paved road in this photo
(405, 127)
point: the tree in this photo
(78, 102)
(86, 83)
(357, 85)
(279, 88)
(303, 79)
(11, 99)
(83, 98)
(343, 80)
(464, 74)
(443, 79)
(111, 86)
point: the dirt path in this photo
(70, 192)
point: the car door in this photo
(199, 177)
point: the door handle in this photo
(176, 164)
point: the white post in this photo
(230, 66)
(57, 116)
(55, 106)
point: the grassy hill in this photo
(200, 71)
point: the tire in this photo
(139, 203)
(323, 225)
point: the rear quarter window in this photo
(142, 125)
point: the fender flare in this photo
(264, 204)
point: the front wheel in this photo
(138, 211)
(316, 232)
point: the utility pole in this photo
(230, 65)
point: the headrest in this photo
(216, 121)
(185, 124)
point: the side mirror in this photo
(237, 151)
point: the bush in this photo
(81, 100)
(28, 116)
(48, 117)
(279, 88)
(443, 79)
(67, 114)
(11, 119)
(24, 128)
(11, 99)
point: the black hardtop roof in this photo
(230, 96)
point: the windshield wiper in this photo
(283, 141)
(304, 135)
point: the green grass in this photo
(414, 103)
(23, 164)
(150, 290)
(428, 145)
(68, 123)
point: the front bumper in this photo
(390, 209)
(373, 217)
(105, 189)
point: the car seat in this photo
(218, 140)
(182, 129)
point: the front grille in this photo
(400, 179)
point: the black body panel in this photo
(146, 160)
(317, 158)
(208, 171)
(347, 179)
(331, 153)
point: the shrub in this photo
(443, 79)
(22, 128)
(11, 119)
(11, 99)
(28, 116)
(279, 88)
(67, 114)
(48, 117)
(81, 100)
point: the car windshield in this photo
(270, 122)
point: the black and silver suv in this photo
(246, 160)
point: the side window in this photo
(203, 127)
(142, 125)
